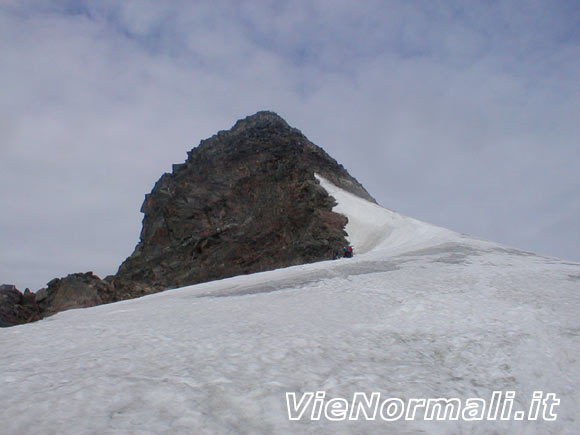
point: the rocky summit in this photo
(245, 200)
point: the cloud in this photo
(463, 115)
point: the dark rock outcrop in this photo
(246, 200)
(17, 308)
(78, 290)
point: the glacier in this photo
(419, 312)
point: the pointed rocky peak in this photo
(262, 131)
(246, 200)
(262, 120)
(266, 136)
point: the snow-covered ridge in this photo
(419, 312)
(371, 227)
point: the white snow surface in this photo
(419, 312)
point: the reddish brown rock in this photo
(17, 308)
(246, 200)
(78, 290)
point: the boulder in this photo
(17, 308)
(78, 290)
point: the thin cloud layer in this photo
(461, 114)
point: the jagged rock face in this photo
(17, 308)
(78, 290)
(246, 200)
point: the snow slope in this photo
(419, 311)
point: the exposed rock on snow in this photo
(17, 308)
(423, 313)
(78, 290)
(246, 200)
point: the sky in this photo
(462, 114)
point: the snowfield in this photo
(419, 312)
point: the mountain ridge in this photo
(425, 312)
(245, 200)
